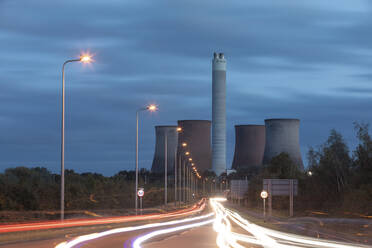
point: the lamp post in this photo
(184, 181)
(84, 59)
(151, 108)
(166, 170)
(180, 178)
(175, 177)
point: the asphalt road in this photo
(204, 236)
(221, 227)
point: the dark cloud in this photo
(287, 59)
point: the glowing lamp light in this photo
(179, 129)
(190, 159)
(85, 58)
(184, 144)
(152, 108)
(187, 153)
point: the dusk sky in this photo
(310, 60)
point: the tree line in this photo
(37, 188)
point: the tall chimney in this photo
(218, 113)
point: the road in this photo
(218, 227)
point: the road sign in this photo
(238, 188)
(284, 187)
(280, 186)
(141, 192)
(264, 194)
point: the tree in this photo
(331, 174)
(282, 167)
(362, 156)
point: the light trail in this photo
(79, 240)
(137, 243)
(98, 221)
(262, 236)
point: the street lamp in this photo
(181, 165)
(84, 59)
(150, 108)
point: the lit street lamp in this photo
(151, 108)
(84, 59)
(181, 164)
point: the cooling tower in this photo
(197, 135)
(249, 146)
(172, 140)
(219, 113)
(282, 135)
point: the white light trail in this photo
(93, 236)
(137, 243)
(262, 236)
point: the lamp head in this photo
(152, 108)
(86, 58)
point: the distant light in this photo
(184, 144)
(190, 159)
(187, 153)
(192, 164)
(179, 129)
(152, 107)
(310, 173)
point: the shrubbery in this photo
(38, 189)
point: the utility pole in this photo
(175, 177)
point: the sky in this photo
(303, 59)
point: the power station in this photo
(166, 136)
(283, 135)
(255, 145)
(219, 113)
(197, 135)
(249, 146)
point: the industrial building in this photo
(249, 146)
(165, 136)
(282, 135)
(197, 135)
(219, 113)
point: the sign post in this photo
(264, 195)
(281, 187)
(141, 193)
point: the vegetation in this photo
(38, 189)
(336, 180)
